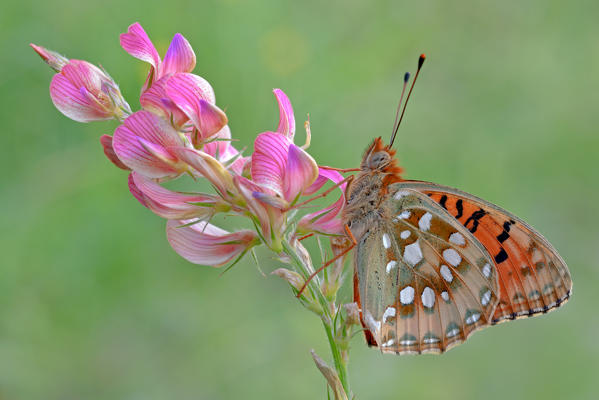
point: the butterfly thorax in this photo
(369, 188)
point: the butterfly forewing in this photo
(533, 278)
(425, 283)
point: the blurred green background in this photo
(96, 305)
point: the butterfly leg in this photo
(323, 194)
(332, 260)
(305, 237)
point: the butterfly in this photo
(434, 264)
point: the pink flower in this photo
(205, 244)
(179, 56)
(282, 167)
(173, 205)
(82, 91)
(328, 220)
(158, 101)
(143, 143)
(278, 165)
(187, 93)
(271, 219)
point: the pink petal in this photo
(258, 209)
(211, 119)
(191, 99)
(179, 57)
(106, 141)
(239, 165)
(220, 148)
(138, 194)
(270, 160)
(75, 103)
(326, 221)
(137, 43)
(83, 74)
(141, 142)
(186, 85)
(167, 203)
(156, 100)
(286, 117)
(205, 244)
(325, 175)
(208, 167)
(301, 171)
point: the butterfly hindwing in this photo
(424, 282)
(533, 278)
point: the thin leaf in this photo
(331, 377)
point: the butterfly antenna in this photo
(406, 78)
(420, 62)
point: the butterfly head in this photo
(381, 158)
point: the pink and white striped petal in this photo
(155, 99)
(184, 91)
(270, 160)
(170, 204)
(137, 43)
(188, 87)
(76, 102)
(286, 118)
(83, 74)
(179, 57)
(106, 141)
(328, 220)
(205, 244)
(300, 172)
(207, 167)
(141, 143)
(325, 175)
(271, 219)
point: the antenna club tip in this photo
(421, 60)
(406, 77)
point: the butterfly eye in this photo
(379, 160)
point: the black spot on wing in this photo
(474, 218)
(460, 207)
(442, 201)
(504, 235)
(501, 256)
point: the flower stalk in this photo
(179, 130)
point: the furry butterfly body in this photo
(433, 264)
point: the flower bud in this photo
(292, 277)
(352, 314)
(82, 91)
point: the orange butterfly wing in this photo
(533, 278)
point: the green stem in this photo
(328, 319)
(340, 365)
